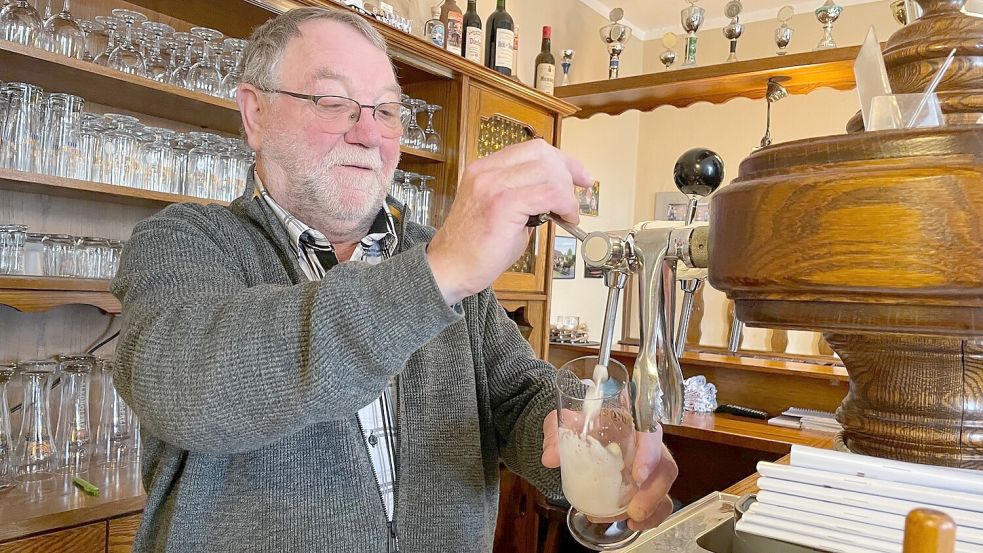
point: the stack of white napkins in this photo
(843, 502)
(807, 419)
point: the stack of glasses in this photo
(50, 134)
(414, 136)
(63, 387)
(416, 198)
(60, 255)
(197, 60)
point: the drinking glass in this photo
(423, 200)
(230, 83)
(6, 438)
(408, 192)
(204, 76)
(157, 68)
(396, 183)
(59, 255)
(72, 434)
(21, 139)
(203, 166)
(62, 34)
(91, 254)
(110, 27)
(12, 239)
(596, 439)
(120, 150)
(415, 137)
(90, 138)
(114, 435)
(115, 251)
(432, 142)
(33, 254)
(157, 160)
(127, 57)
(20, 23)
(181, 59)
(34, 452)
(404, 115)
(181, 146)
(60, 140)
(88, 27)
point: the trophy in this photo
(567, 57)
(734, 29)
(827, 14)
(668, 57)
(783, 34)
(692, 19)
(775, 93)
(615, 35)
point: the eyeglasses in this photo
(340, 114)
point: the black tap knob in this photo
(698, 172)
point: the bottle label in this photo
(545, 77)
(455, 27)
(504, 42)
(473, 47)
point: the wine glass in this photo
(230, 83)
(415, 137)
(62, 34)
(20, 23)
(88, 27)
(423, 200)
(404, 113)
(180, 58)
(110, 26)
(409, 193)
(127, 57)
(432, 142)
(157, 68)
(204, 76)
(596, 439)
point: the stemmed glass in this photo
(180, 58)
(432, 143)
(596, 439)
(204, 76)
(20, 23)
(127, 57)
(88, 27)
(404, 114)
(110, 25)
(62, 34)
(230, 83)
(409, 193)
(157, 68)
(415, 137)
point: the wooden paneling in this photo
(90, 538)
(745, 433)
(706, 467)
(122, 531)
(532, 313)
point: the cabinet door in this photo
(497, 121)
(530, 317)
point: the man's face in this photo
(344, 177)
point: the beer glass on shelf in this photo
(34, 452)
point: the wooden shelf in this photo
(35, 293)
(714, 83)
(19, 181)
(746, 433)
(421, 156)
(55, 73)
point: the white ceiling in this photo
(652, 18)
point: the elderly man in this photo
(312, 373)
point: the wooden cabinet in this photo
(122, 532)
(90, 538)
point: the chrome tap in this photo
(652, 253)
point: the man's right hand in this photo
(485, 231)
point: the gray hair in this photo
(268, 41)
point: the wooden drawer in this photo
(122, 531)
(90, 538)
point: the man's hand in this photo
(654, 470)
(485, 231)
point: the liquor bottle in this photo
(434, 29)
(515, 52)
(453, 20)
(500, 38)
(471, 48)
(546, 64)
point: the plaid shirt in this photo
(316, 256)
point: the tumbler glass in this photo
(60, 138)
(157, 160)
(423, 200)
(12, 238)
(181, 145)
(72, 434)
(115, 436)
(33, 254)
(21, 140)
(120, 150)
(90, 139)
(596, 439)
(34, 452)
(204, 76)
(91, 254)
(115, 252)
(62, 34)
(59, 255)
(203, 166)
(6, 438)
(20, 23)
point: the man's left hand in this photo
(654, 471)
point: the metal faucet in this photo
(653, 254)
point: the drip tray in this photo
(707, 526)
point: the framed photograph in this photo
(588, 198)
(565, 257)
(592, 272)
(676, 212)
(703, 212)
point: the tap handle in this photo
(698, 172)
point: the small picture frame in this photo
(676, 212)
(588, 199)
(564, 257)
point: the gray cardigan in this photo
(247, 379)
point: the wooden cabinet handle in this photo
(928, 531)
